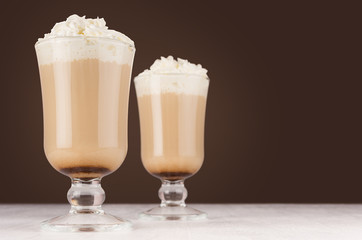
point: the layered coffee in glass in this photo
(85, 72)
(172, 103)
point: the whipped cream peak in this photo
(171, 65)
(168, 75)
(87, 27)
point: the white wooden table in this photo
(226, 221)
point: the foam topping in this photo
(88, 27)
(90, 41)
(171, 65)
(168, 75)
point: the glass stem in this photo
(86, 196)
(172, 194)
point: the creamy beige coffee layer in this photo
(85, 115)
(172, 129)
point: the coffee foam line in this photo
(182, 84)
(50, 52)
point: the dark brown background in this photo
(283, 116)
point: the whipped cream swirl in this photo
(171, 65)
(168, 75)
(88, 27)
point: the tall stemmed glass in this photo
(172, 115)
(85, 90)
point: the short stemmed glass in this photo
(172, 115)
(85, 90)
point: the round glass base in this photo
(86, 222)
(173, 213)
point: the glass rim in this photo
(39, 42)
(172, 74)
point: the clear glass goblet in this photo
(85, 90)
(172, 116)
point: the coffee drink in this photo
(85, 71)
(85, 83)
(85, 116)
(172, 115)
(171, 98)
(178, 150)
